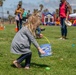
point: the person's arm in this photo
(41, 51)
(67, 15)
(17, 11)
(33, 40)
(69, 10)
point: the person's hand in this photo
(41, 51)
(66, 19)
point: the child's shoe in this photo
(16, 64)
(27, 68)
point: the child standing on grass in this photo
(22, 41)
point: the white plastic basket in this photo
(68, 23)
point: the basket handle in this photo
(46, 39)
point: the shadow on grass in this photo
(39, 65)
(12, 65)
(32, 65)
(59, 38)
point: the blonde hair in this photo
(33, 22)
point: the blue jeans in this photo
(26, 57)
(63, 27)
(17, 22)
(20, 24)
(38, 30)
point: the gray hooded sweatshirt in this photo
(22, 41)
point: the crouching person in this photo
(22, 41)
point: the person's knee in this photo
(30, 54)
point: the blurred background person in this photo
(64, 11)
(18, 17)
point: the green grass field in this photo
(62, 62)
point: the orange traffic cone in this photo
(16, 29)
(1, 28)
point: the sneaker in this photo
(27, 68)
(16, 64)
(61, 38)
